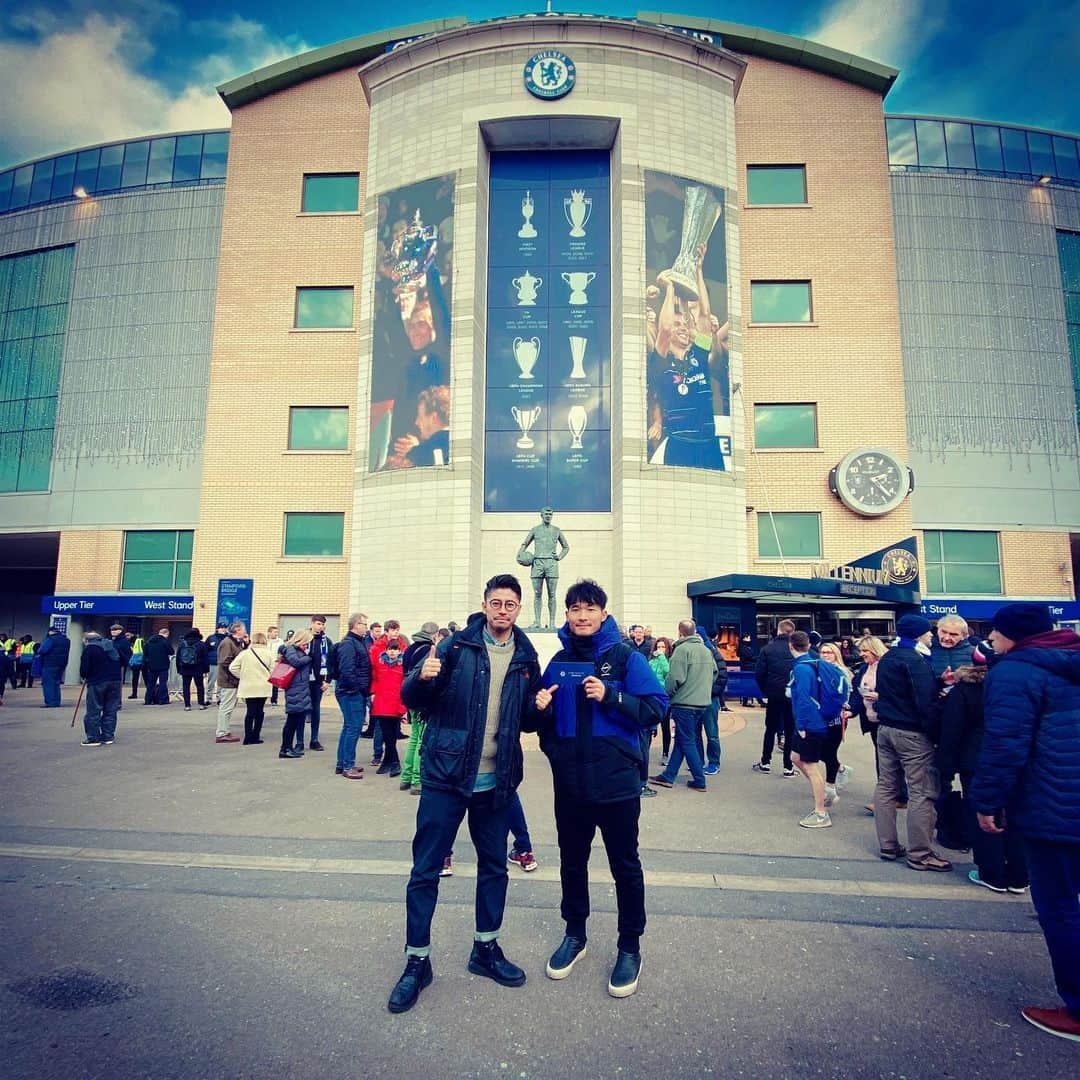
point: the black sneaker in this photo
(416, 976)
(648, 792)
(565, 957)
(90, 742)
(624, 975)
(761, 766)
(487, 959)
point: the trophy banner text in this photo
(547, 430)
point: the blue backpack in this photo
(833, 690)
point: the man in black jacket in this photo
(157, 652)
(353, 687)
(906, 690)
(474, 690)
(772, 672)
(99, 667)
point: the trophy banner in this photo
(410, 361)
(688, 408)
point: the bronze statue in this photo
(549, 546)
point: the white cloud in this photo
(889, 31)
(74, 84)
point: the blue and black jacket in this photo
(595, 747)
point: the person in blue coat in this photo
(597, 695)
(1028, 779)
(53, 653)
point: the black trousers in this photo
(1001, 859)
(294, 722)
(157, 687)
(391, 728)
(253, 719)
(200, 690)
(830, 752)
(778, 720)
(576, 824)
(665, 733)
(135, 680)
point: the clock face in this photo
(872, 482)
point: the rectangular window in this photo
(901, 134)
(215, 155)
(314, 535)
(959, 146)
(1068, 244)
(162, 152)
(324, 308)
(789, 536)
(110, 168)
(318, 428)
(988, 148)
(1066, 162)
(779, 185)
(1042, 156)
(157, 559)
(779, 301)
(931, 139)
(328, 193)
(1014, 143)
(187, 163)
(962, 562)
(136, 156)
(792, 426)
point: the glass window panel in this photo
(1042, 156)
(324, 307)
(214, 155)
(188, 161)
(150, 544)
(185, 542)
(1069, 257)
(785, 426)
(780, 184)
(20, 324)
(6, 180)
(970, 546)
(20, 189)
(50, 319)
(10, 447)
(935, 580)
(958, 142)
(6, 267)
(1066, 163)
(183, 576)
(931, 137)
(40, 413)
(988, 148)
(15, 368)
(780, 301)
(161, 161)
(56, 275)
(12, 414)
(799, 534)
(63, 177)
(86, 169)
(932, 543)
(901, 134)
(41, 187)
(25, 279)
(1014, 144)
(972, 578)
(148, 575)
(110, 168)
(45, 369)
(325, 193)
(35, 460)
(318, 428)
(136, 155)
(314, 534)
(1072, 307)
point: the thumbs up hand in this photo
(544, 696)
(432, 666)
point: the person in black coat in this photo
(192, 664)
(772, 671)
(157, 651)
(99, 667)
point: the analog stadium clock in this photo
(871, 481)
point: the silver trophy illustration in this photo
(577, 355)
(528, 208)
(578, 210)
(525, 418)
(413, 252)
(527, 287)
(701, 211)
(578, 281)
(526, 352)
(576, 419)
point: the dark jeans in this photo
(102, 703)
(576, 824)
(1055, 885)
(390, 726)
(253, 719)
(665, 733)
(157, 687)
(316, 708)
(50, 685)
(438, 818)
(1002, 860)
(26, 680)
(135, 671)
(686, 744)
(778, 720)
(830, 752)
(200, 690)
(708, 735)
(645, 737)
(877, 764)
(519, 828)
(353, 711)
(294, 723)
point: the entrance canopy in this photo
(761, 588)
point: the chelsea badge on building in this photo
(550, 74)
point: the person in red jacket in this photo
(387, 675)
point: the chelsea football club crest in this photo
(550, 74)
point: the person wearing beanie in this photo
(906, 691)
(1027, 782)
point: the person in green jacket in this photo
(659, 661)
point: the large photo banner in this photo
(686, 313)
(410, 363)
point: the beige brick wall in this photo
(849, 363)
(1032, 565)
(260, 365)
(90, 561)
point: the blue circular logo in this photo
(550, 74)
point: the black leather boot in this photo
(487, 959)
(414, 978)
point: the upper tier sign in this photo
(550, 74)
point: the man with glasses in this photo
(474, 690)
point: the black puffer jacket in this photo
(960, 724)
(773, 667)
(455, 705)
(354, 665)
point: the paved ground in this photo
(211, 911)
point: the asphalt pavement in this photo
(173, 907)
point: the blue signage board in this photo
(934, 607)
(547, 437)
(77, 605)
(235, 597)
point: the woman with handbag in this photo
(294, 659)
(253, 667)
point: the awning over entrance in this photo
(762, 588)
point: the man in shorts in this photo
(810, 727)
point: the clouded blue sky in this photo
(78, 72)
